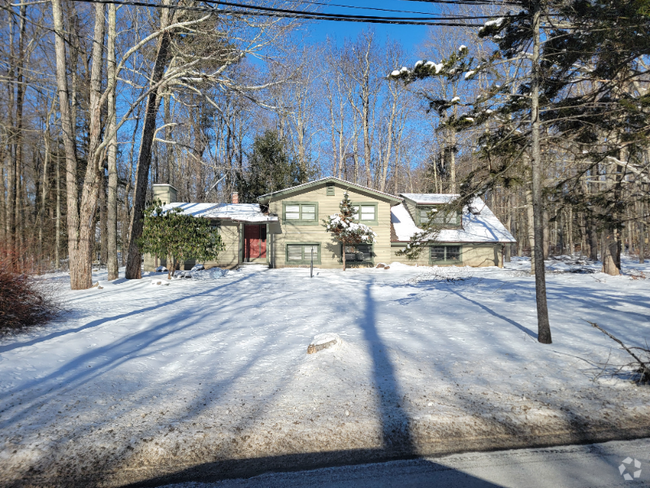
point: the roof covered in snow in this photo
(334, 180)
(430, 198)
(479, 225)
(240, 212)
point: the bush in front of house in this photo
(23, 301)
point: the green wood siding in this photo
(330, 250)
(472, 254)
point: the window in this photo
(445, 254)
(301, 213)
(449, 217)
(359, 254)
(366, 213)
(302, 253)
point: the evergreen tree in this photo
(583, 98)
(178, 236)
(345, 229)
(269, 169)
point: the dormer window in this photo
(438, 216)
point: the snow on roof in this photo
(430, 198)
(479, 225)
(242, 212)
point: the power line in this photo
(358, 7)
(253, 10)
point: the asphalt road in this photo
(590, 465)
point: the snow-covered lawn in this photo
(138, 379)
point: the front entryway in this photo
(254, 241)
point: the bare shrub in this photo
(23, 301)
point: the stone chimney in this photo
(235, 197)
(164, 192)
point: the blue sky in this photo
(410, 36)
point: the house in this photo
(286, 227)
(243, 228)
(471, 237)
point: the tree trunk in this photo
(543, 325)
(530, 228)
(103, 216)
(169, 148)
(57, 237)
(133, 267)
(570, 232)
(506, 247)
(81, 218)
(67, 128)
(92, 179)
(611, 252)
(592, 238)
(641, 242)
(111, 211)
(611, 236)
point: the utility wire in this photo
(376, 9)
(294, 14)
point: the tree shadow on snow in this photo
(395, 432)
(396, 424)
(497, 315)
(98, 322)
(396, 438)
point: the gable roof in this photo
(479, 226)
(239, 212)
(323, 181)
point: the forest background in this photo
(100, 101)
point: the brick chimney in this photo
(235, 197)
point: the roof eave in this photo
(264, 199)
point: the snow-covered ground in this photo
(138, 380)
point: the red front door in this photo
(254, 241)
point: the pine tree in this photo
(345, 228)
(170, 233)
(583, 98)
(270, 168)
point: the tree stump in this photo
(323, 341)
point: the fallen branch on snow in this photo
(644, 366)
